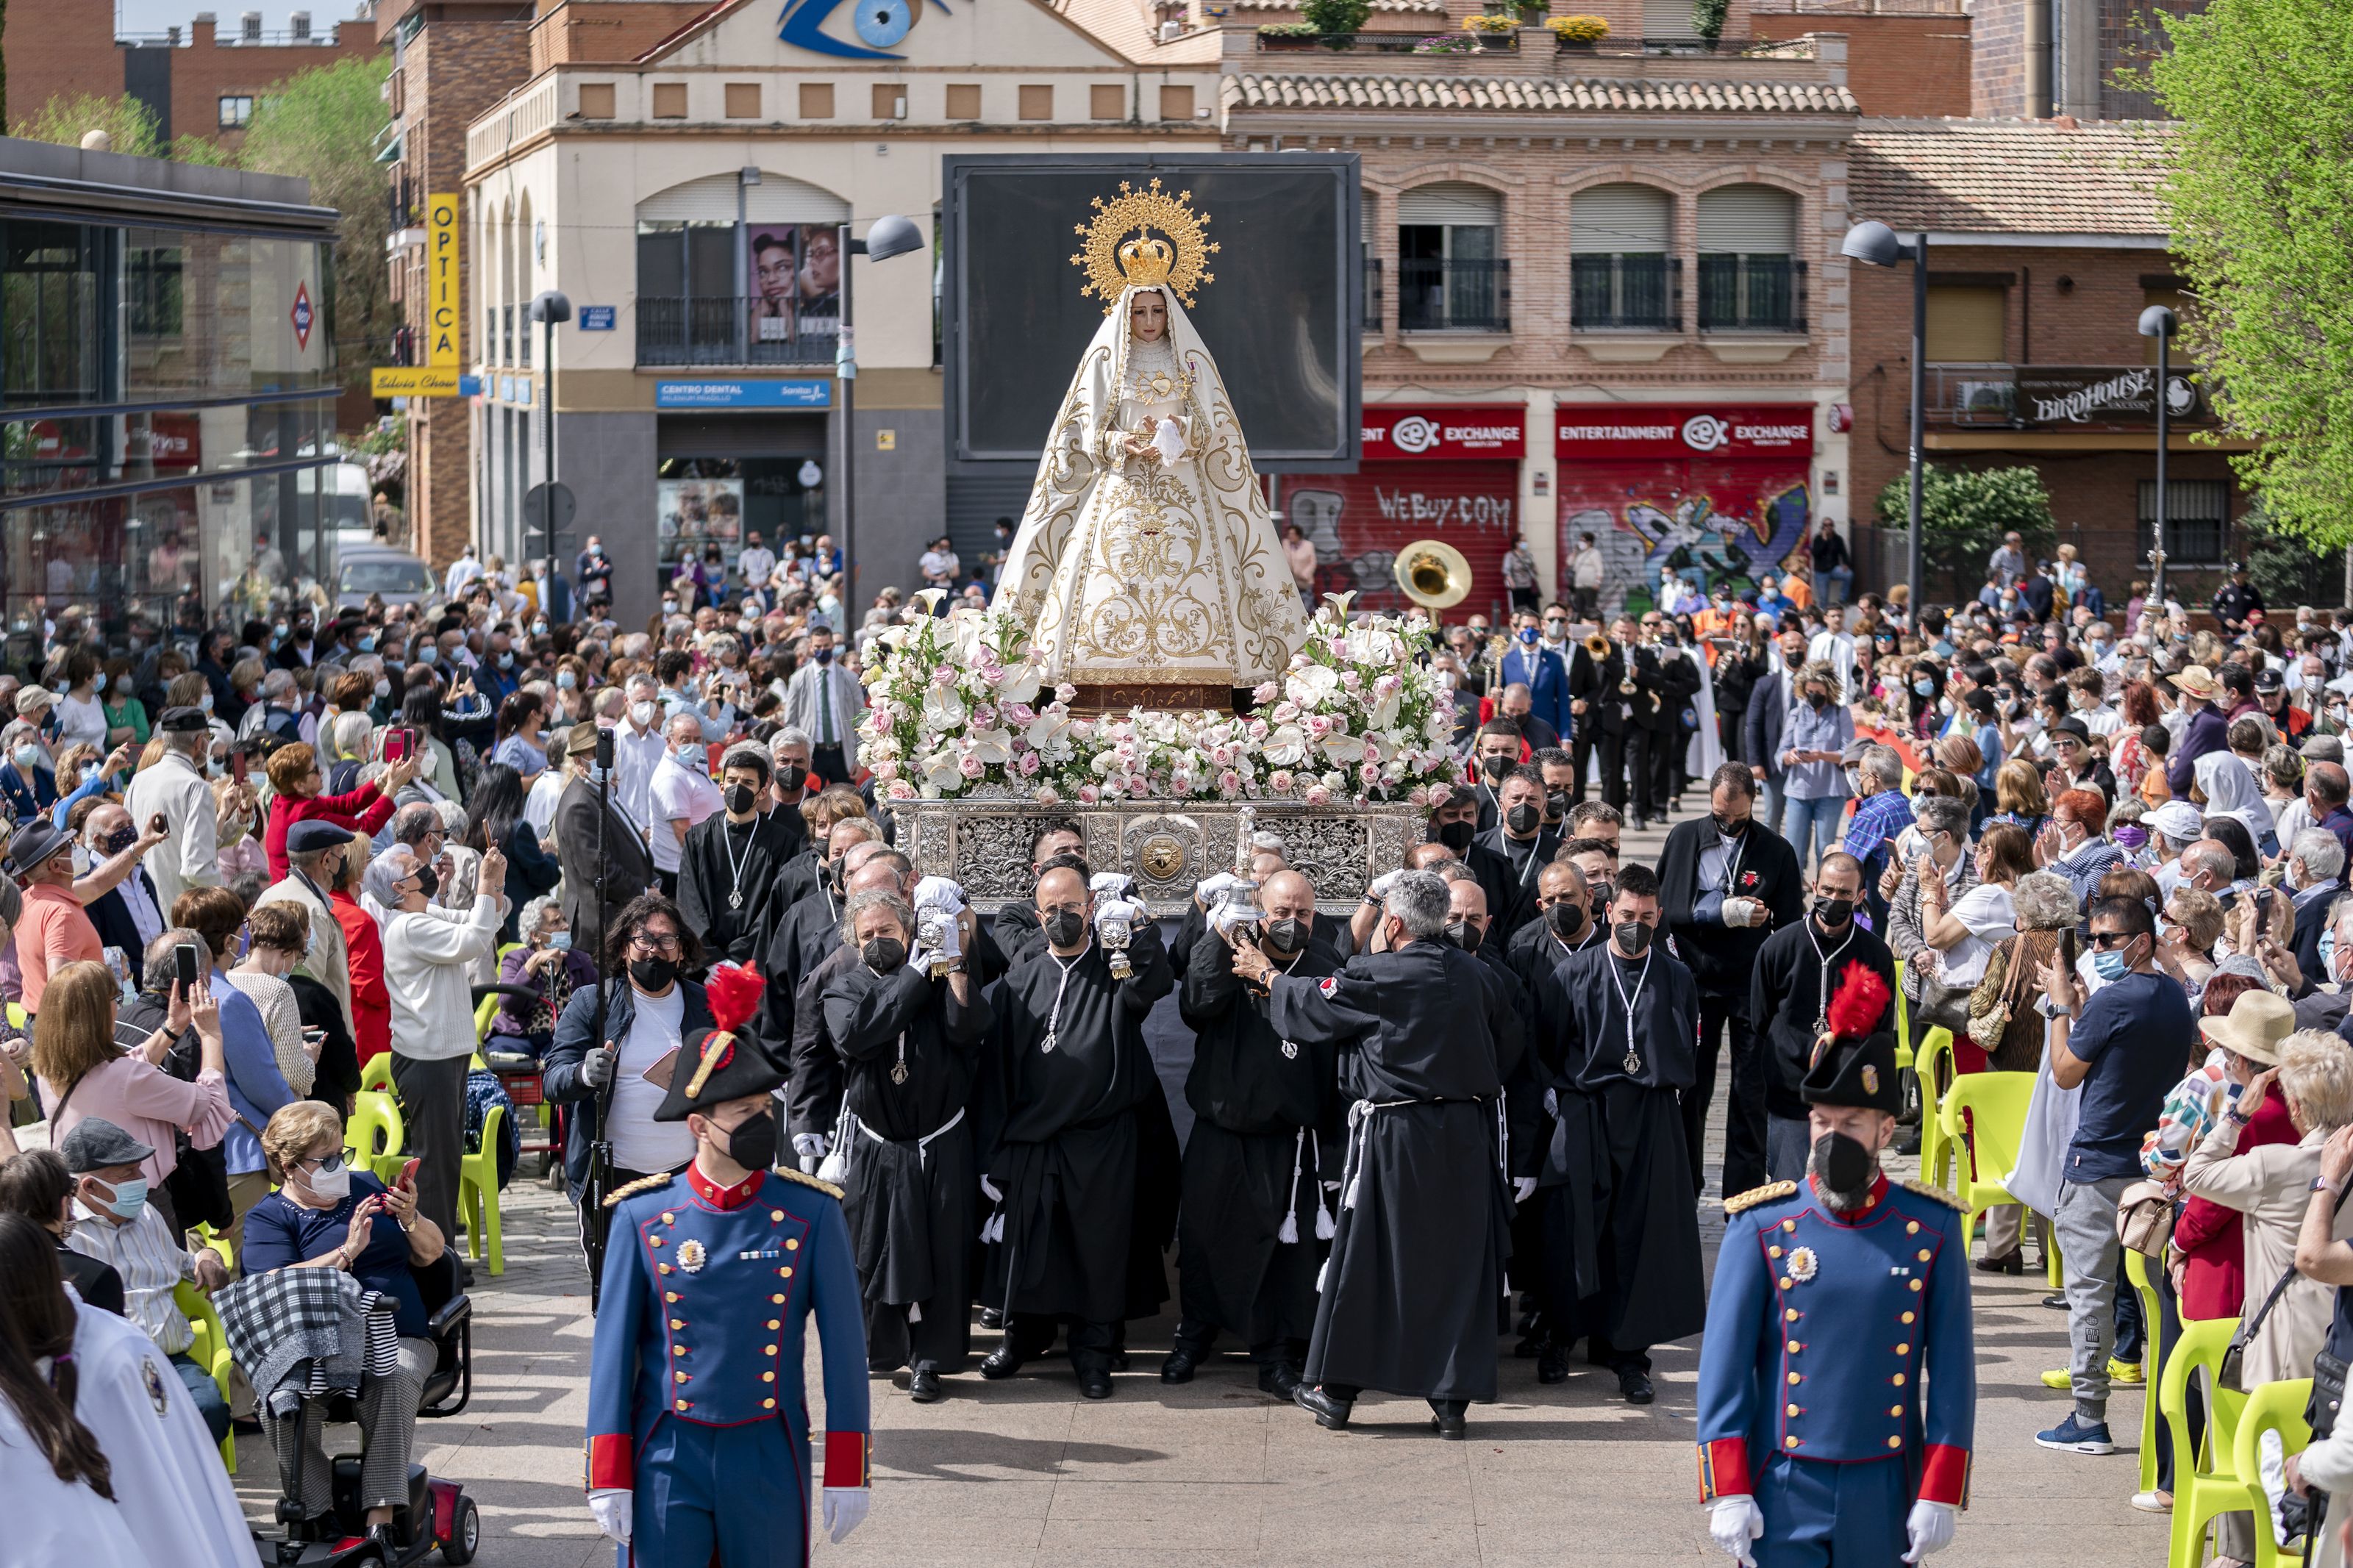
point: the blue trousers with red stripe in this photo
(734, 1495)
(1824, 1515)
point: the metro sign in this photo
(300, 315)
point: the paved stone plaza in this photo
(1216, 1475)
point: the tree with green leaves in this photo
(325, 125)
(1964, 512)
(130, 125)
(2258, 190)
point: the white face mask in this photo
(331, 1183)
(641, 714)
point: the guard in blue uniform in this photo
(1836, 1380)
(698, 1451)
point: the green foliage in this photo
(187, 149)
(1333, 17)
(1287, 30)
(130, 125)
(1964, 512)
(325, 125)
(2259, 193)
(1707, 16)
(2284, 569)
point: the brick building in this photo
(201, 83)
(2035, 59)
(1906, 59)
(452, 59)
(2045, 244)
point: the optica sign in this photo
(1614, 430)
(1407, 431)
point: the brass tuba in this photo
(1433, 573)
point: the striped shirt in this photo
(152, 1267)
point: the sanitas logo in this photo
(1706, 432)
(1414, 433)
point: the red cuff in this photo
(1723, 1469)
(845, 1458)
(611, 1465)
(1944, 1478)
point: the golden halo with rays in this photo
(1113, 259)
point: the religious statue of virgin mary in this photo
(1146, 566)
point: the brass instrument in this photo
(1598, 647)
(1433, 573)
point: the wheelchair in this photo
(438, 1513)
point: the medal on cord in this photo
(1291, 1047)
(1822, 1003)
(734, 864)
(1054, 1018)
(1633, 1063)
(898, 1068)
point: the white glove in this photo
(1206, 892)
(1930, 1528)
(1740, 912)
(939, 892)
(810, 1147)
(1225, 918)
(1109, 911)
(1382, 884)
(1522, 1188)
(1734, 1523)
(845, 1509)
(612, 1508)
(1112, 885)
(989, 1190)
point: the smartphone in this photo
(185, 957)
(236, 764)
(408, 1174)
(399, 744)
(2067, 947)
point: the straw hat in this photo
(2196, 681)
(2258, 1021)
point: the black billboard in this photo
(2105, 395)
(1283, 317)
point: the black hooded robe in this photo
(729, 879)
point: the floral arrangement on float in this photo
(958, 709)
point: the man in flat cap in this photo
(174, 786)
(1836, 1299)
(695, 1396)
(314, 854)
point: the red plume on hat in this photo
(1860, 1004)
(734, 992)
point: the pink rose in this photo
(1339, 648)
(970, 767)
(1319, 726)
(1438, 794)
(944, 676)
(1139, 787)
(900, 789)
(984, 717)
(1028, 765)
(1318, 796)
(1418, 797)
(1351, 680)
(1046, 795)
(886, 770)
(1258, 729)
(1230, 781)
(1266, 692)
(1370, 772)
(1280, 781)
(1089, 794)
(1066, 693)
(1020, 715)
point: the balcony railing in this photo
(1752, 294)
(1373, 304)
(1636, 291)
(506, 334)
(727, 330)
(1461, 296)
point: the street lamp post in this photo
(547, 309)
(885, 237)
(2161, 323)
(1876, 244)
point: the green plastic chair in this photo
(478, 1192)
(1983, 1117)
(208, 1350)
(2137, 1273)
(1903, 1021)
(2272, 1407)
(1933, 1065)
(2204, 1488)
(374, 1134)
(377, 1074)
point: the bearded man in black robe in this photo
(731, 865)
(906, 1040)
(1411, 1292)
(1622, 1234)
(1253, 1221)
(1067, 1154)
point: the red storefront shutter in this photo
(1360, 521)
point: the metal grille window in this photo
(1749, 278)
(236, 113)
(1450, 274)
(2197, 521)
(1621, 274)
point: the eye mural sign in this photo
(875, 28)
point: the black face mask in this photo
(1555, 805)
(1455, 836)
(1602, 892)
(1842, 1164)
(829, 873)
(1566, 919)
(1834, 911)
(739, 798)
(883, 954)
(428, 880)
(1495, 767)
(1817, 700)
(1524, 819)
(1064, 926)
(1730, 827)
(753, 1143)
(652, 973)
(1462, 934)
(1633, 937)
(1286, 936)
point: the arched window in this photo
(1749, 275)
(1450, 270)
(691, 310)
(506, 286)
(521, 284)
(1620, 272)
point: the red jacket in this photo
(371, 1002)
(2206, 1235)
(363, 811)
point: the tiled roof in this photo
(2009, 176)
(1423, 7)
(1536, 94)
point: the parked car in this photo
(398, 577)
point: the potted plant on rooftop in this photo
(1493, 32)
(1337, 23)
(1578, 35)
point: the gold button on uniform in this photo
(1916, 1284)
(668, 1219)
(1911, 1228)
(1897, 1380)
(1795, 1347)
(1793, 1442)
(779, 1301)
(1789, 1224)
(767, 1349)
(776, 1323)
(682, 1404)
(792, 1244)
(1790, 1314)
(1772, 1252)
(767, 1404)
(1905, 1318)
(1793, 1410)
(777, 1215)
(1896, 1410)
(787, 1273)
(1794, 1380)
(677, 1322)
(1895, 1442)
(1902, 1349)
(767, 1377)
(671, 1296)
(1784, 1281)
(1926, 1255)
(679, 1376)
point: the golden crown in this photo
(1143, 238)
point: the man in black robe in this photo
(1729, 884)
(729, 864)
(1622, 1234)
(1564, 925)
(1415, 1276)
(906, 1042)
(1600, 711)
(1797, 972)
(1016, 920)
(1066, 1149)
(1253, 1220)
(814, 1083)
(801, 933)
(1520, 841)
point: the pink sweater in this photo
(148, 1103)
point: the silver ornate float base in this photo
(1167, 847)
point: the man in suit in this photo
(128, 915)
(627, 869)
(2315, 864)
(1768, 714)
(1664, 681)
(1598, 714)
(1521, 840)
(1527, 662)
(823, 699)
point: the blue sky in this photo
(154, 16)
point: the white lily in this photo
(1286, 746)
(993, 746)
(1048, 729)
(1022, 683)
(943, 709)
(940, 772)
(929, 600)
(1343, 748)
(1311, 686)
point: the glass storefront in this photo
(705, 503)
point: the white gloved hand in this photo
(1381, 884)
(1206, 891)
(845, 1509)
(1930, 1528)
(1733, 1521)
(1109, 912)
(612, 1508)
(810, 1147)
(989, 1189)
(939, 892)
(1522, 1188)
(1112, 885)
(1225, 918)
(1738, 912)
